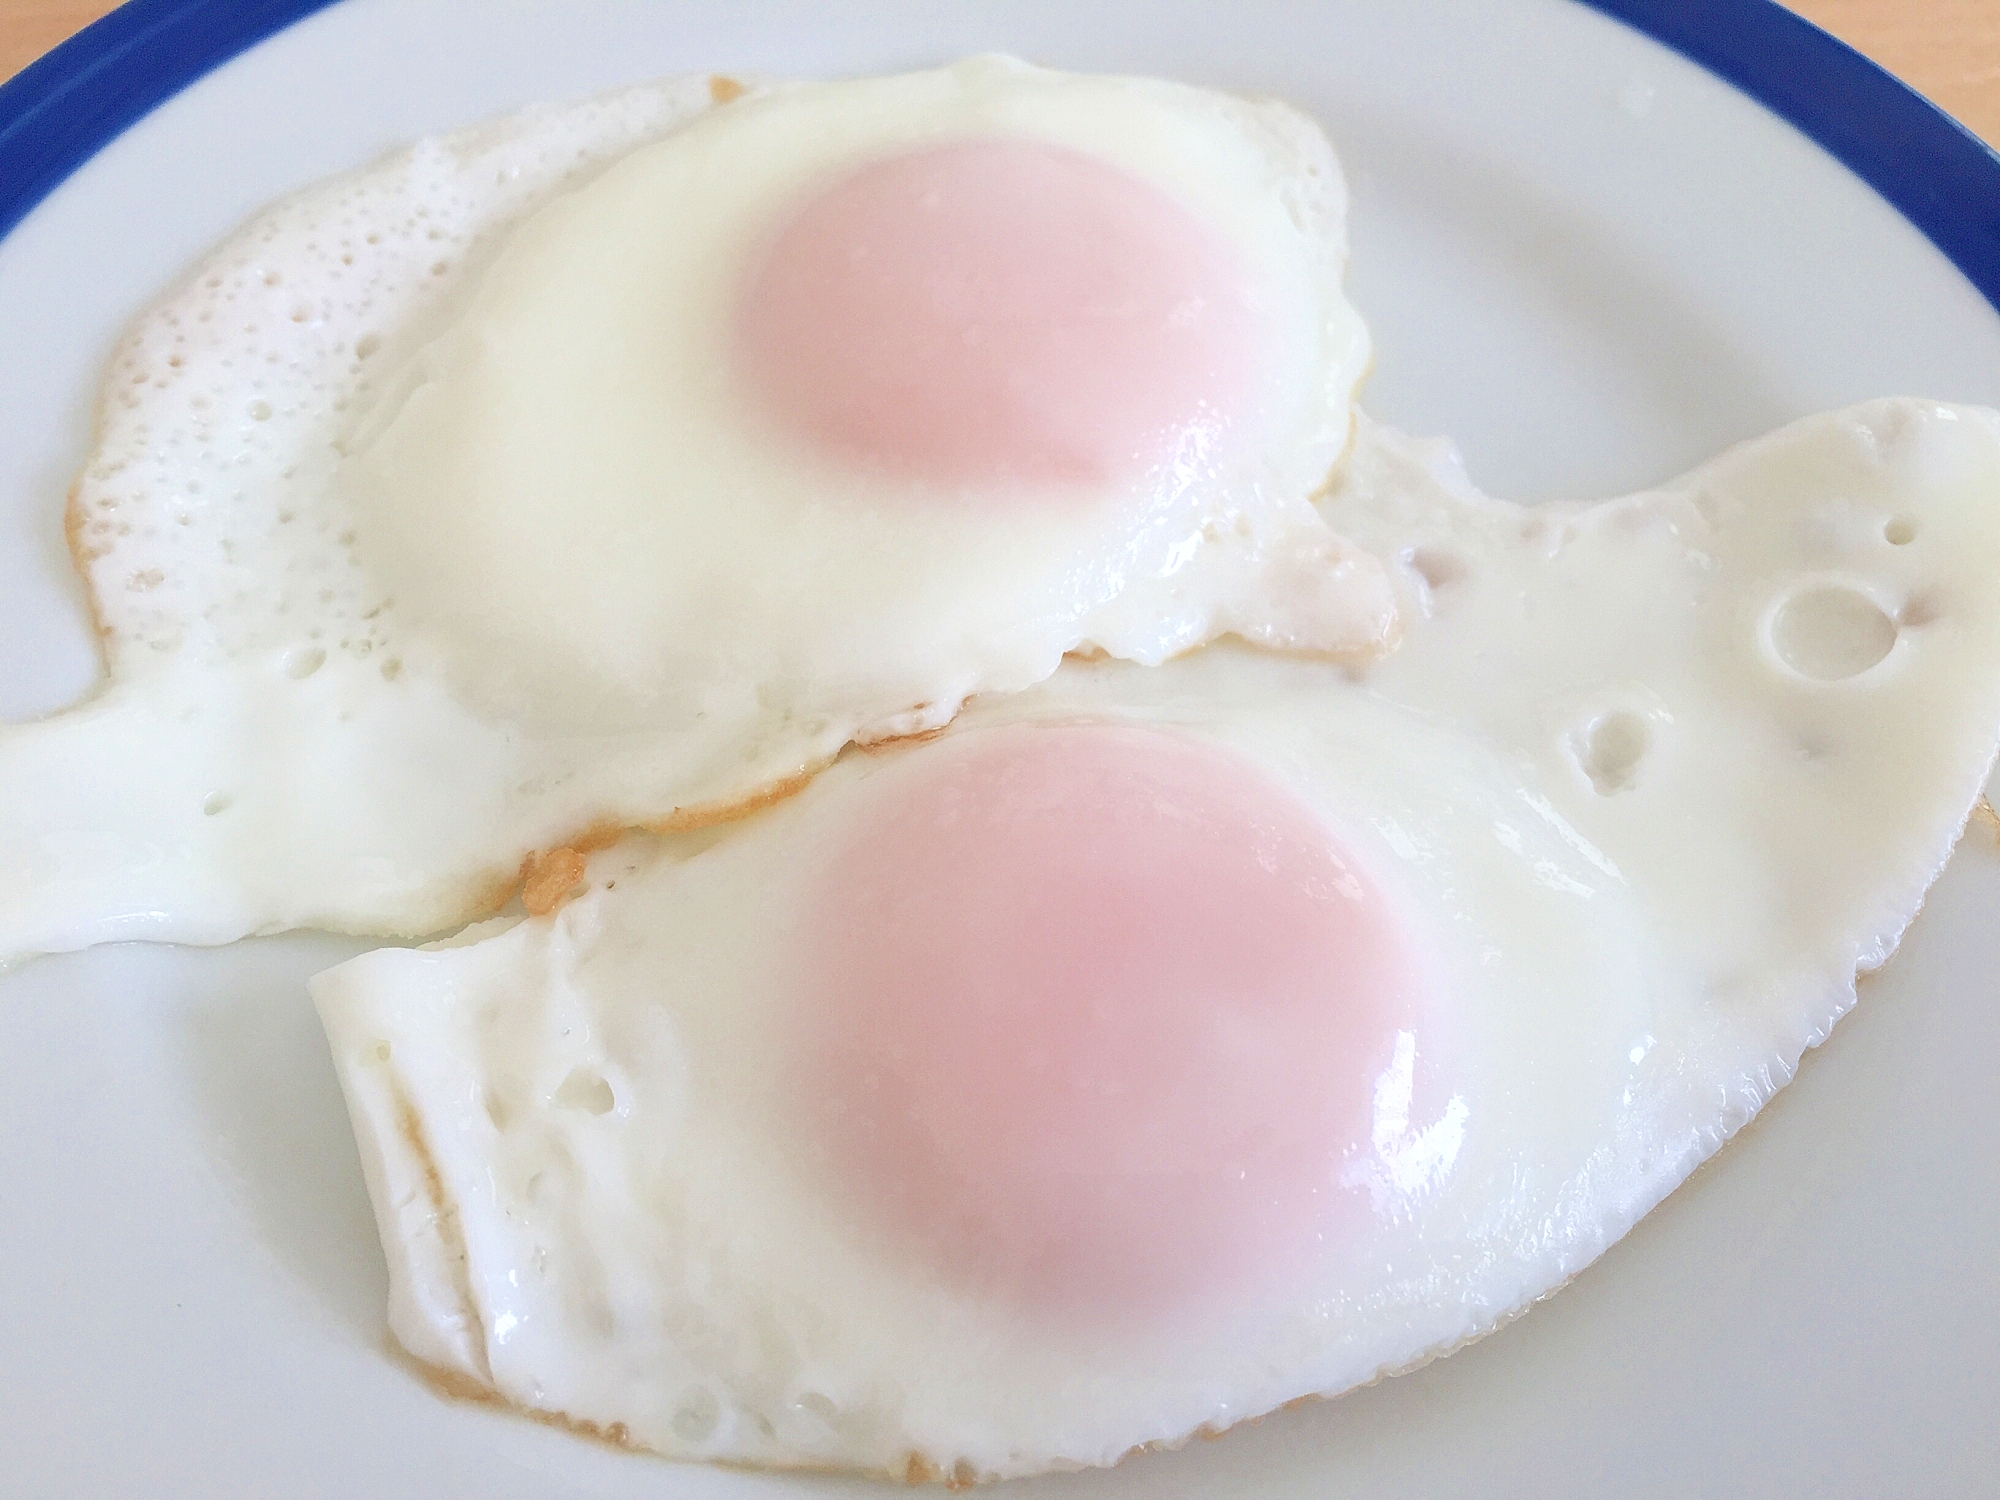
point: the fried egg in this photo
(617, 465)
(1160, 1045)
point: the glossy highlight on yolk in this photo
(995, 311)
(1096, 1013)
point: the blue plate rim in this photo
(65, 107)
(62, 109)
(1930, 168)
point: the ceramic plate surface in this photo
(1584, 256)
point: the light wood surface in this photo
(28, 28)
(1947, 49)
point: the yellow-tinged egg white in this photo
(428, 525)
(1647, 783)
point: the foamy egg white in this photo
(618, 464)
(1160, 1045)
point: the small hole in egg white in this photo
(1900, 532)
(381, 1051)
(1830, 632)
(303, 663)
(1613, 745)
(217, 802)
(820, 1405)
(586, 1091)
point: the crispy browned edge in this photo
(79, 557)
(915, 1468)
(1984, 815)
(443, 1210)
(549, 877)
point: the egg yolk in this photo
(1097, 1012)
(990, 311)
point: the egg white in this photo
(1645, 854)
(359, 671)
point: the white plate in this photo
(1586, 258)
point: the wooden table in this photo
(1948, 49)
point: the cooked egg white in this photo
(1404, 991)
(617, 464)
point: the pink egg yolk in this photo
(998, 311)
(1096, 1014)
